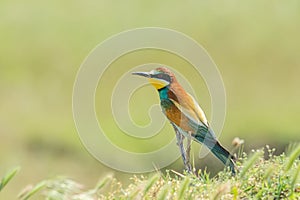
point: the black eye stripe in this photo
(165, 77)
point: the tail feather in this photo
(208, 138)
(221, 153)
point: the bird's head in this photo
(159, 77)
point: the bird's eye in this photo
(159, 75)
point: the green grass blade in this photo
(183, 188)
(268, 173)
(294, 155)
(295, 178)
(250, 162)
(150, 183)
(163, 193)
(134, 194)
(8, 177)
(34, 190)
(103, 182)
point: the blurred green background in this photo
(255, 44)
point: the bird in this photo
(185, 115)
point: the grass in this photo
(8, 177)
(260, 176)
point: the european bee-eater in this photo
(185, 114)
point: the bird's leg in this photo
(185, 159)
(184, 154)
(188, 153)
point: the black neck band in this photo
(162, 88)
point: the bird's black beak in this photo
(145, 74)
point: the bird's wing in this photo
(186, 124)
(200, 132)
(192, 110)
(197, 109)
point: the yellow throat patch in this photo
(158, 83)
